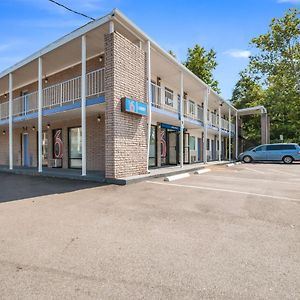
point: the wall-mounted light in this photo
(100, 59)
(99, 119)
(46, 79)
(48, 126)
(33, 128)
(158, 80)
(4, 132)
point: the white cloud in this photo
(289, 1)
(237, 53)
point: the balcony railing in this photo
(56, 95)
(170, 103)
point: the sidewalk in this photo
(167, 171)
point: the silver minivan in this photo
(272, 152)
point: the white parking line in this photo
(242, 179)
(253, 170)
(223, 190)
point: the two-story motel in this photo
(86, 100)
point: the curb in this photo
(176, 177)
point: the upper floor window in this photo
(169, 97)
(192, 107)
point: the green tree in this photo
(248, 93)
(202, 63)
(275, 71)
(172, 53)
(279, 49)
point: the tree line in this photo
(271, 79)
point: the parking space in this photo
(231, 233)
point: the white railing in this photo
(25, 104)
(159, 99)
(4, 110)
(200, 113)
(56, 95)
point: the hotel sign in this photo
(134, 107)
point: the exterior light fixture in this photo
(100, 59)
(46, 79)
(5, 96)
(4, 132)
(48, 126)
(99, 119)
(158, 80)
(33, 128)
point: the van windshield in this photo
(249, 149)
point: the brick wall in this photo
(95, 143)
(126, 134)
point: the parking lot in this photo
(232, 233)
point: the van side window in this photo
(280, 147)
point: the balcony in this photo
(57, 95)
(164, 99)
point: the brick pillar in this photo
(125, 134)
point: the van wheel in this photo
(287, 159)
(247, 159)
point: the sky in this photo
(227, 26)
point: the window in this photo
(192, 107)
(208, 144)
(192, 143)
(168, 97)
(75, 150)
(153, 93)
(260, 148)
(280, 147)
(200, 112)
(152, 150)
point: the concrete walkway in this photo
(98, 176)
(93, 176)
(171, 170)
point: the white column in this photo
(229, 135)
(236, 135)
(181, 121)
(40, 121)
(220, 134)
(111, 27)
(149, 99)
(83, 103)
(10, 110)
(205, 108)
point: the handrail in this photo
(56, 95)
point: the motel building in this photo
(84, 104)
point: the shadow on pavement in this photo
(17, 187)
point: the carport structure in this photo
(264, 121)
